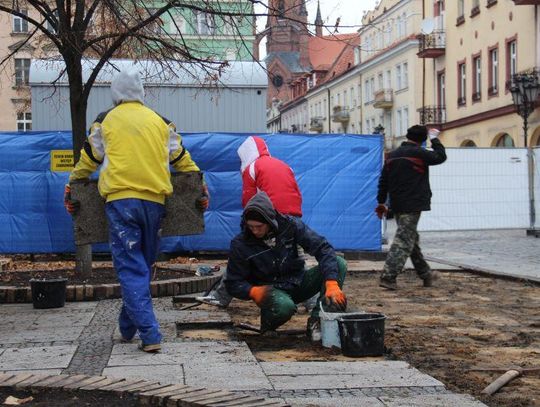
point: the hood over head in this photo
(261, 203)
(252, 148)
(127, 86)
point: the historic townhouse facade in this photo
(472, 51)
(207, 35)
(390, 70)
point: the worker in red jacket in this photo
(262, 172)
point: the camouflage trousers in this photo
(405, 245)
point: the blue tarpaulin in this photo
(337, 175)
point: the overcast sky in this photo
(349, 12)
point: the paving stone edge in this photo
(147, 393)
(89, 292)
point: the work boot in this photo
(388, 284)
(313, 330)
(210, 300)
(151, 348)
(432, 277)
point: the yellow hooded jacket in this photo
(135, 147)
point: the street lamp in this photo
(524, 88)
(378, 129)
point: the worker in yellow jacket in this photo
(134, 147)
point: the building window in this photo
(462, 84)
(177, 24)
(461, 12)
(353, 100)
(441, 89)
(388, 79)
(511, 59)
(475, 8)
(477, 79)
(493, 72)
(205, 23)
(505, 141)
(20, 25)
(22, 70)
(24, 121)
(468, 143)
(405, 75)
(380, 80)
(398, 77)
(399, 130)
(52, 27)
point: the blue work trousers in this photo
(133, 233)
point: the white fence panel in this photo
(479, 188)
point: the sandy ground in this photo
(467, 322)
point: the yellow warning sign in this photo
(61, 160)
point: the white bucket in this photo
(330, 329)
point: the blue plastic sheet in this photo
(337, 175)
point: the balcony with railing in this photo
(432, 45)
(432, 115)
(383, 99)
(526, 2)
(316, 123)
(341, 114)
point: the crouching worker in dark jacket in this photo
(264, 266)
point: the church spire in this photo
(318, 21)
(303, 9)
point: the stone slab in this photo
(433, 400)
(169, 374)
(198, 316)
(51, 357)
(43, 372)
(229, 376)
(183, 217)
(340, 375)
(204, 352)
(335, 401)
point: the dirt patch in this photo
(62, 398)
(466, 322)
(17, 271)
(102, 275)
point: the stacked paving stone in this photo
(146, 392)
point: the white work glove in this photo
(433, 133)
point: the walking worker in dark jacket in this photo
(405, 179)
(264, 266)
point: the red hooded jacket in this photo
(261, 172)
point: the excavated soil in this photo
(453, 332)
(61, 398)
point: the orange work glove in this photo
(204, 200)
(260, 293)
(334, 297)
(381, 210)
(71, 205)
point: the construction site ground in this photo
(465, 332)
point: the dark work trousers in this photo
(133, 232)
(405, 244)
(281, 304)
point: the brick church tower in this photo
(287, 46)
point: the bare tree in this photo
(105, 29)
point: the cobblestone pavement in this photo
(82, 338)
(501, 252)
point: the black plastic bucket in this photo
(362, 334)
(48, 293)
